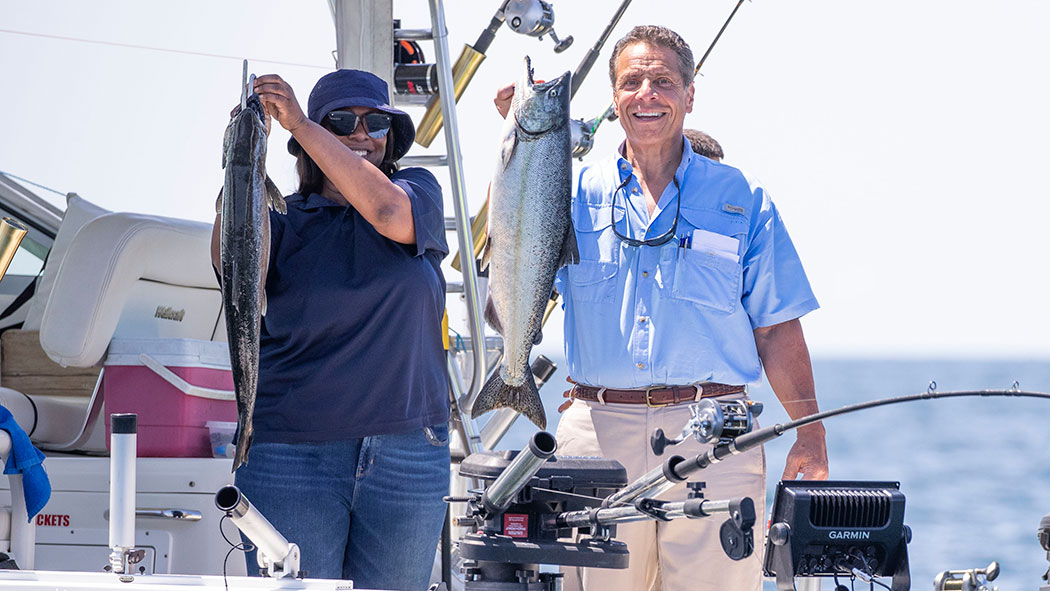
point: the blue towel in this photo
(26, 459)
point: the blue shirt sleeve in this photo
(427, 209)
(775, 289)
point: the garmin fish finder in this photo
(830, 528)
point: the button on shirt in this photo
(685, 311)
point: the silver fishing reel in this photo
(712, 421)
(534, 18)
(582, 138)
(974, 579)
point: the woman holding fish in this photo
(349, 451)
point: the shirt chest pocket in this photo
(705, 279)
(701, 276)
(593, 279)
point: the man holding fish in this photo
(687, 287)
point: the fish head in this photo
(540, 107)
(254, 111)
(249, 120)
(246, 134)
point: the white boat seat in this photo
(122, 275)
(58, 422)
(79, 211)
(131, 275)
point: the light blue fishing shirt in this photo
(683, 312)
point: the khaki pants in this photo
(683, 554)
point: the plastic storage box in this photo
(175, 386)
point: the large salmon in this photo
(247, 196)
(530, 235)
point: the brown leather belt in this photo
(655, 396)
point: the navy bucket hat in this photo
(357, 88)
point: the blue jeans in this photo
(369, 509)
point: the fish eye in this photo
(554, 92)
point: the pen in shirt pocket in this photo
(685, 242)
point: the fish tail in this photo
(244, 442)
(524, 398)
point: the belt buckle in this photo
(648, 398)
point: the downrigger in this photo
(534, 507)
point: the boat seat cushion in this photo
(79, 211)
(131, 275)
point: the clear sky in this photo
(900, 140)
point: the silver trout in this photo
(530, 235)
(247, 196)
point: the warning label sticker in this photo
(515, 526)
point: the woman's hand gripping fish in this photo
(530, 235)
(247, 196)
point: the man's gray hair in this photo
(663, 37)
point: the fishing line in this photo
(16, 177)
(569, 494)
(161, 49)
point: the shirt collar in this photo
(624, 167)
(315, 201)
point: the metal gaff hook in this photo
(244, 84)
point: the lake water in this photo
(975, 472)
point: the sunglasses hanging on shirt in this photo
(345, 123)
(659, 240)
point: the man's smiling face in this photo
(650, 98)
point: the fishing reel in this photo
(534, 18)
(581, 137)
(974, 579)
(712, 421)
(412, 75)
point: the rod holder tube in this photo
(692, 508)
(651, 484)
(462, 73)
(697, 508)
(12, 232)
(274, 549)
(517, 474)
(123, 440)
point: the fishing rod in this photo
(592, 54)
(677, 469)
(579, 137)
(609, 114)
(534, 18)
(717, 37)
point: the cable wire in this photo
(38, 185)
(242, 546)
(161, 49)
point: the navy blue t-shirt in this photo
(351, 342)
